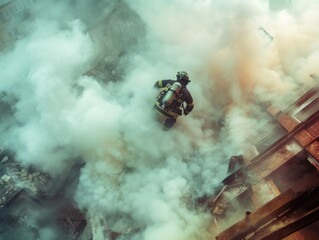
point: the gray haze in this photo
(136, 175)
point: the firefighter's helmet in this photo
(183, 77)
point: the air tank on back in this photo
(171, 94)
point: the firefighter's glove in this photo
(186, 113)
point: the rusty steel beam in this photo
(279, 218)
(313, 149)
(274, 160)
(313, 129)
(304, 100)
(285, 227)
(304, 137)
(286, 121)
(297, 135)
(262, 215)
(303, 212)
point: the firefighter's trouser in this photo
(165, 118)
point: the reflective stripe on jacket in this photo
(176, 106)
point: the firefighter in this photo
(170, 101)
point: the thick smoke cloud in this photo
(136, 175)
(38, 75)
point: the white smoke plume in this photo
(135, 174)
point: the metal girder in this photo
(285, 227)
(278, 218)
(257, 218)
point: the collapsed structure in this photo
(274, 192)
(271, 191)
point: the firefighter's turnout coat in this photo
(177, 107)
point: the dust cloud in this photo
(135, 175)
